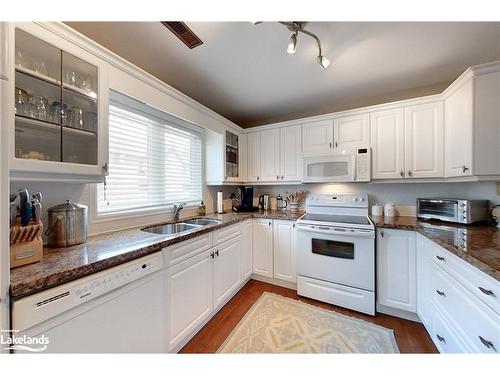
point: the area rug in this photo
(276, 324)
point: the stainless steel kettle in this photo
(67, 224)
(265, 202)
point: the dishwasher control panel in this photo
(35, 309)
(113, 280)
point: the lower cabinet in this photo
(262, 235)
(246, 260)
(197, 287)
(457, 320)
(189, 296)
(284, 250)
(396, 269)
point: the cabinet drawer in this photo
(186, 249)
(474, 322)
(443, 336)
(226, 233)
(477, 282)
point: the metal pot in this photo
(67, 224)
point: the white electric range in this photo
(336, 251)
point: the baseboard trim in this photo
(397, 313)
(270, 280)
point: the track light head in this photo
(323, 61)
(292, 44)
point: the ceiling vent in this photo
(184, 33)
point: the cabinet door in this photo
(270, 155)
(284, 250)
(290, 153)
(387, 143)
(226, 269)
(253, 168)
(424, 269)
(246, 250)
(262, 233)
(458, 131)
(351, 132)
(396, 269)
(424, 140)
(189, 296)
(317, 137)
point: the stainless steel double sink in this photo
(182, 227)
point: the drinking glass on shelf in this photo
(76, 119)
(40, 67)
(21, 101)
(22, 60)
(41, 108)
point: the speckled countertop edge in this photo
(56, 267)
(411, 223)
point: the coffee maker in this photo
(243, 199)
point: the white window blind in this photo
(155, 159)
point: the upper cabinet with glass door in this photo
(232, 157)
(60, 109)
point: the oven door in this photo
(339, 255)
(331, 168)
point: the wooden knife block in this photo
(26, 244)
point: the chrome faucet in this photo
(177, 209)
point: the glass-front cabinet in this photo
(60, 107)
(232, 157)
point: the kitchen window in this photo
(155, 159)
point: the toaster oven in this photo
(463, 211)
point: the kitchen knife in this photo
(38, 196)
(37, 210)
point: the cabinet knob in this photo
(217, 252)
(330, 144)
(269, 223)
(257, 177)
(488, 292)
(440, 338)
(382, 233)
(282, 177)
(212, 255)
(487, 343)
(277, 177)
(464, 169)
(336, 144)
(402, 173)
(105, 167)
(442, 294)
(410, 173)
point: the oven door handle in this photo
(336, 231)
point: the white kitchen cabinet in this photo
(224, 157)
(262, 242)
(45, 144)
(396, 269)
(472, 133)
(226, 270)
(284, 250)
(317, 137)
(387, 144)
(424, 268)
(270, 155)
(254, 162)
(424, 140)
(351, 133)
(290, 153)
(189, 296)
(246, 250)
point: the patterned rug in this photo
(277, 324)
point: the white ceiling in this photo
(242, 70)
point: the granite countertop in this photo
(61, 265)
(478, 245)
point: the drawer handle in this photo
(486, 291)
(440, 338)
(440, 258)
(487, 343)
(25, 255)
(442, 294)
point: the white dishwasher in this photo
(119, 310)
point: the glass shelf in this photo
(37, 140)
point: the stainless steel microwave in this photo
(463, 211)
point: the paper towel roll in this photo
(220, 205)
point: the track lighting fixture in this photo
(296, 28)
(292, 44)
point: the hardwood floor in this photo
(410, 336)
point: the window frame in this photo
(158, 212)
